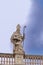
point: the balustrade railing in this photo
(8, 59)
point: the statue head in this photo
(18, 28)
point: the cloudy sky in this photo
(24, 12)
(34, 36)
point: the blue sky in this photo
(24, 12)
(35, 28)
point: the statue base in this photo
(19, 59)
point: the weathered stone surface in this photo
(17, 39)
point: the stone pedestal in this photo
(19, 59)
